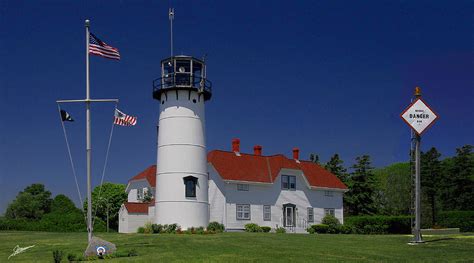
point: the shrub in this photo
(320, 228)
(200, 230)
(148, 228)
(215, 226)
(57, 256)
(344, 229)
(280, 230)
(379, 224)
(170, 229)
(310, 230)
(462, 219)
(141, 230)
(252, 228)
(157, 228)
(266, 229)
(332, 223)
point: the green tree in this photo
(106, 202)
(362, 185)
(31, 203)
(314, 158)
(394, 186)
(458, 181)
(62, 204)
(430, 175)
(335, 166)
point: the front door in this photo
(289, 211)
(289, 216)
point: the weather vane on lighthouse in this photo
(181, 178)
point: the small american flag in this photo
(123, 119)
(100, 48)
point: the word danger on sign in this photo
(419, 116)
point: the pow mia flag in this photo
(65, 116)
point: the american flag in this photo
(100, 48)
(123, 119)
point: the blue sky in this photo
(326, 76)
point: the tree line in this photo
(35, 209)
(447, 184)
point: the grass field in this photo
(245, 247)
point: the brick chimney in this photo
(296, 153)
(236, 145)
(257, 150)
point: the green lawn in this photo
(245, 247)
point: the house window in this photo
(292, 182)
(328, 193)
(140, 194)
(329, 211)
(243, 212)
(310, 215)
(190, 183)
(242, 187)
(288, 182)
(267, 213)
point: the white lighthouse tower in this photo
(182, 179)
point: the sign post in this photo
(419, 117)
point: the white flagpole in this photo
(88, 140)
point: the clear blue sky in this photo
(326, 76)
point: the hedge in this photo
(462, 219)
(379, 224)
(52, 222)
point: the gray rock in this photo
(98, 247)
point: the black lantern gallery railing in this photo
(182, 81)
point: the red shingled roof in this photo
(254, 168)
(139, 208)
(265, 169)
(149, 174)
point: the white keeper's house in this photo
(273, 191)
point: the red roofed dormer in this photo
(149, 174)
(265, 169)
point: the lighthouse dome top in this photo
(182, 73)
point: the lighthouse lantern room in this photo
(182, 179)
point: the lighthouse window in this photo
(190, 183)
(168, 74)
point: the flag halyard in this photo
(123, 119)
(100, 48)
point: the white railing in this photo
(300, 224)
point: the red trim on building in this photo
(138, 208)
(149, 174)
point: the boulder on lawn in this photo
(99, 247)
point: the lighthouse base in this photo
(186, 214)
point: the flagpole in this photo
(88, 139)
